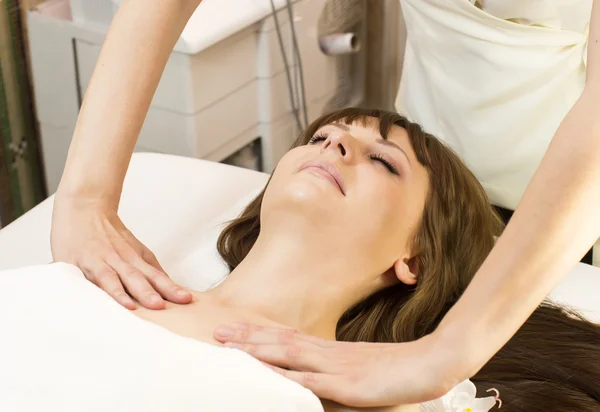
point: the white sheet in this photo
(67, 346)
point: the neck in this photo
(287, 281)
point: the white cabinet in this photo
(224, 84)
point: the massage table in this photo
(177, 206)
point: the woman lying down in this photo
(368, 230)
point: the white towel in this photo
(66, 346)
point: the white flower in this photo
(460, 399)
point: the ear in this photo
(406, 270)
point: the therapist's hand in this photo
(352, 374)
(89, 234)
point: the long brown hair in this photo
(456, 233)
(551, 364)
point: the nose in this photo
(341, 143)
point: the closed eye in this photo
(321, 137)
(390, 167)
(317, 138)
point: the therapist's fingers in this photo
(137, 285)
(88, 233)
(140, 257)
(349, 386)
(135, 254)
(162, 283)
(240, 332)
(260, 335)
(106, 279)
(291, 356)
(323, 385)
(165, 286)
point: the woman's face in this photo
(351, 190)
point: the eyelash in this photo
(377, 157)
(388, 165)
(317, 138)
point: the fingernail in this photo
(239, 326)
(224, 332)
(182, 293)
(155, 298)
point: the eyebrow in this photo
(392, 144)
(341, 126)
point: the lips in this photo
(325, 170)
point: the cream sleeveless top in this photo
(494, 89)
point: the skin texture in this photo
(308, 265)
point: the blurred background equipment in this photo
(21, 183)
(224, 85)
(237, 88)
(341, 25)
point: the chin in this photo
(307, 188)
(303, 198)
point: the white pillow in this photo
(199, 265)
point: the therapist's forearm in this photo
(556, 222)
(135, 52)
